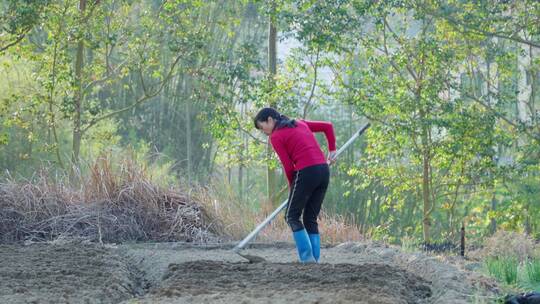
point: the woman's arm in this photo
(286, 161)
(327, 128)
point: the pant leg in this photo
(302, 187)
(314, 202)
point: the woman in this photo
(307, 173)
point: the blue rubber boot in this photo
(303, 246)
(315, 240)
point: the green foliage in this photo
(411, 68)
(512, 258)
(17, 19)
(508, 270)
(451, 89)
(532, 270)
(504, 269)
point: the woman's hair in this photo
(282, 121)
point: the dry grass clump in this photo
(334, 229)
(238, 219)
(508, 244)
(231, 217)
(108, 204)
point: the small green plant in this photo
(504, 269)
(532, 269)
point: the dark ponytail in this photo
(282, 121)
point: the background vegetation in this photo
(451, 89)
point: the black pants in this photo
(307, 194)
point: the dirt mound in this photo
(68, 273)
(216, 282)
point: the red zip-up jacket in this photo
(297, 148)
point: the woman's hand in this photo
(331, 157)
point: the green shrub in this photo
(504, 269)
(532, 269)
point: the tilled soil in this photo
(211, 281)
(184, 273)
(67, 273)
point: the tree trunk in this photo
(51, 120)
(188, 130)
(241, 158)
(493, 221)
(272, 69)
(426, 182)
(533, 80)
(524, 112)
(79, 62)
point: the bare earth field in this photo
(186, 273)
